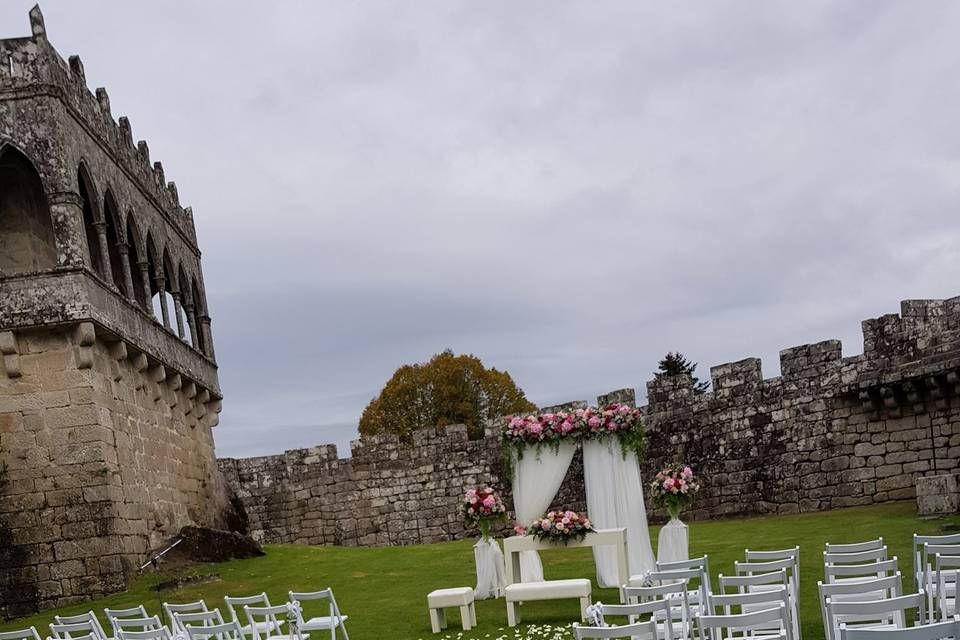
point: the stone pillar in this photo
(192, 321)
(124, 249)
(177, 312)
(207, 336)
(101, 228)
(162, 289)
(145, 277)
(66, 212)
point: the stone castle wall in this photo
(828, 432)
(105, 458)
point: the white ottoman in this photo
(547, 590)
(442, 599)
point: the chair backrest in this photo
(948, 629)
(30, 633)
(656, 609)
(854, 547)
(855, 591)
(300, 597)
(889, 611)
(703, 562)
(137, 612)
(269, 615)
(170, 609)
(84, 618)
(238, 602)
(919, 541)
(867, 571)
(749, 602)
(856, 557)
(675, 594)
(742, 625)
(136, 624)
(948, 581)
(197, 619)
(158, 633)
(743, 584)
(226, 631)
(637, 630)
(73, 630)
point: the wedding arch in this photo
(539, 450)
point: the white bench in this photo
(441, 599)
(547, 590)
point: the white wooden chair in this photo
(946, 630)
(226, 631)
(331, 622)
(85, 618)
(834, 573)
(677, 598)
(922, 580)
(637, 631)
(72, 630)
(777, 554)
(750, 602)
(170, 609)
(947, 577)
(697, 597)
(788, 564)
(137, 612)
(658, 610)
(889, 613)
(153, 633)
(928, 554)
(30, 633)
(854, 547)
(148, 623)
(855, 591)
(703, 562)
(856, 557)
(259, 600)
(272, 618)
(197, 619)
(747, 625)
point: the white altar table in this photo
(513, 546)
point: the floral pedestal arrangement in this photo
(481, 509)
(674, 488)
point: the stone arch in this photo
(172, 293)
(186, 295)
(200, 311)
(139, 267)
(116, 243)
(92, 220)
(27, 240)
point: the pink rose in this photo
(489, 502)
(594, 422)
(687, 472)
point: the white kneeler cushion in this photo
(441, 599)
(546, 590)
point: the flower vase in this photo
(674, 539)
(485, 530)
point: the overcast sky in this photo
(566, 189)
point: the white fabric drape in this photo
(673, 542)
(536, 478)
(490, 576)
(615, 499)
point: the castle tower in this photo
(108, 387)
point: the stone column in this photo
(162, 289)
(124, 249)
(66, 213)
(177, 312)
(207, 336)
(145, 277)
(101, 228)
(192, 321)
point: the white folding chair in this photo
(170, 609)
(854, 547)
(137, 612)
(889, 613)
(656, 609)
(703, 562)
(928, 553)
(227, 631)
(947, 630)
(259, 600)
(919, 564)
(788, 564)
(148, 623)
(678, 601)
(747, 625)
(777, 554)
(697, 598)
(855, 591)
(272, 618)
(855, 557)
(89, 618)
(331, 622)
(198, 619)
(30, 633)
(153, 633)
(947, 575)
(834, 573)
(639, 630)
(750, 602)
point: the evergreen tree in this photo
(675, 364)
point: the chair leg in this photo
(473, 614)
(435, 621)
(465, 617)
(584, 603)
(511, 614)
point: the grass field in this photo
(383, 590)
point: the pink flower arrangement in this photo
(560, 526)
(481, 508)
(674, 487)
(579, 424)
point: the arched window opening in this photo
(27, 242)
(118, 257)
(186, 301)
(174, 315)
(94, 247)
(199, 312)
(139, 267)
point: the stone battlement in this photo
(31, 66)
(829, 431)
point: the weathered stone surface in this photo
(938, 495)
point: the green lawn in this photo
(383, 590)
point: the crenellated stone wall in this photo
(828, 432)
